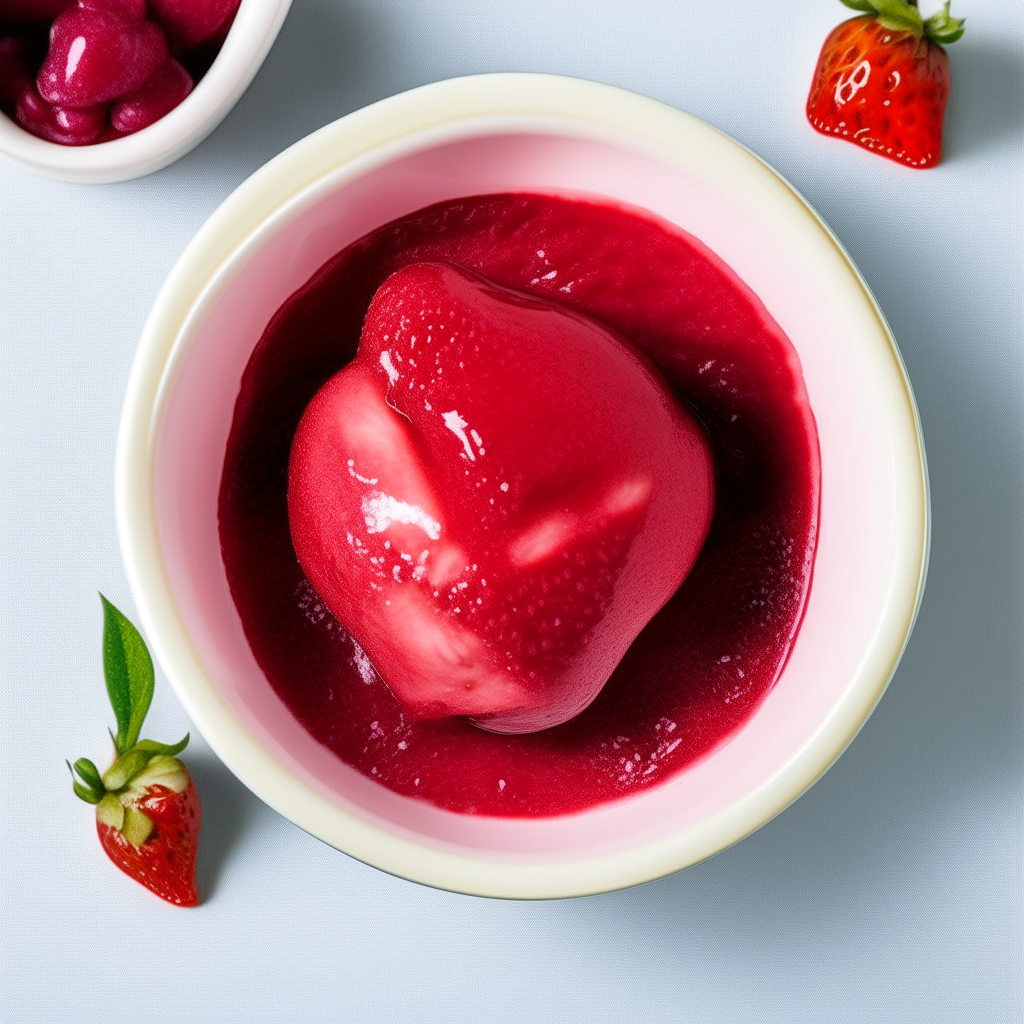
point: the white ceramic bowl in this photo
(501, 133)
(252, 34)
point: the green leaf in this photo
(89, 773)
(137, 826)
(941, 28)
(129, 673)
(125, 768)
(169, 749)
(897, 15)
(168, 772)
(110, 812)
(91, 794)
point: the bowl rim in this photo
(298, 169)
(252, 33)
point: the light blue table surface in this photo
(890, 892)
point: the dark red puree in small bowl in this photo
(703, 665)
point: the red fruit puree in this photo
(706, 660)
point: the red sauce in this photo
(703, 665)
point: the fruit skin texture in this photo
(163, 91)
(166, 863)
(107, 72)
(97, 54)
(19, 99)
(494, 498)
(68, 126)
(883, 82)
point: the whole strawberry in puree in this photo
(494, 498)
(147, 808)
(882, 80)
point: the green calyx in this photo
(125, 782)
(137, 761)
(901, 16)
(138, 764)
(942, 29)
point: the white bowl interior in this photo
(873, 513)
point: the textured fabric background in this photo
(890, 892)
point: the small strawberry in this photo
(99, 51)
(163, 91)
(147, 808)
(882, 80)
(66, 125)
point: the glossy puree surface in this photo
(703, 664)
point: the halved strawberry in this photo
(147, 807)
(882, 80)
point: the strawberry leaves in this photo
(901, 16)
(93, 790)
(893, 14)
(128, 670)
(129, 673)
(941, 28)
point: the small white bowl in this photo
(499, 133)
(252, 33)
